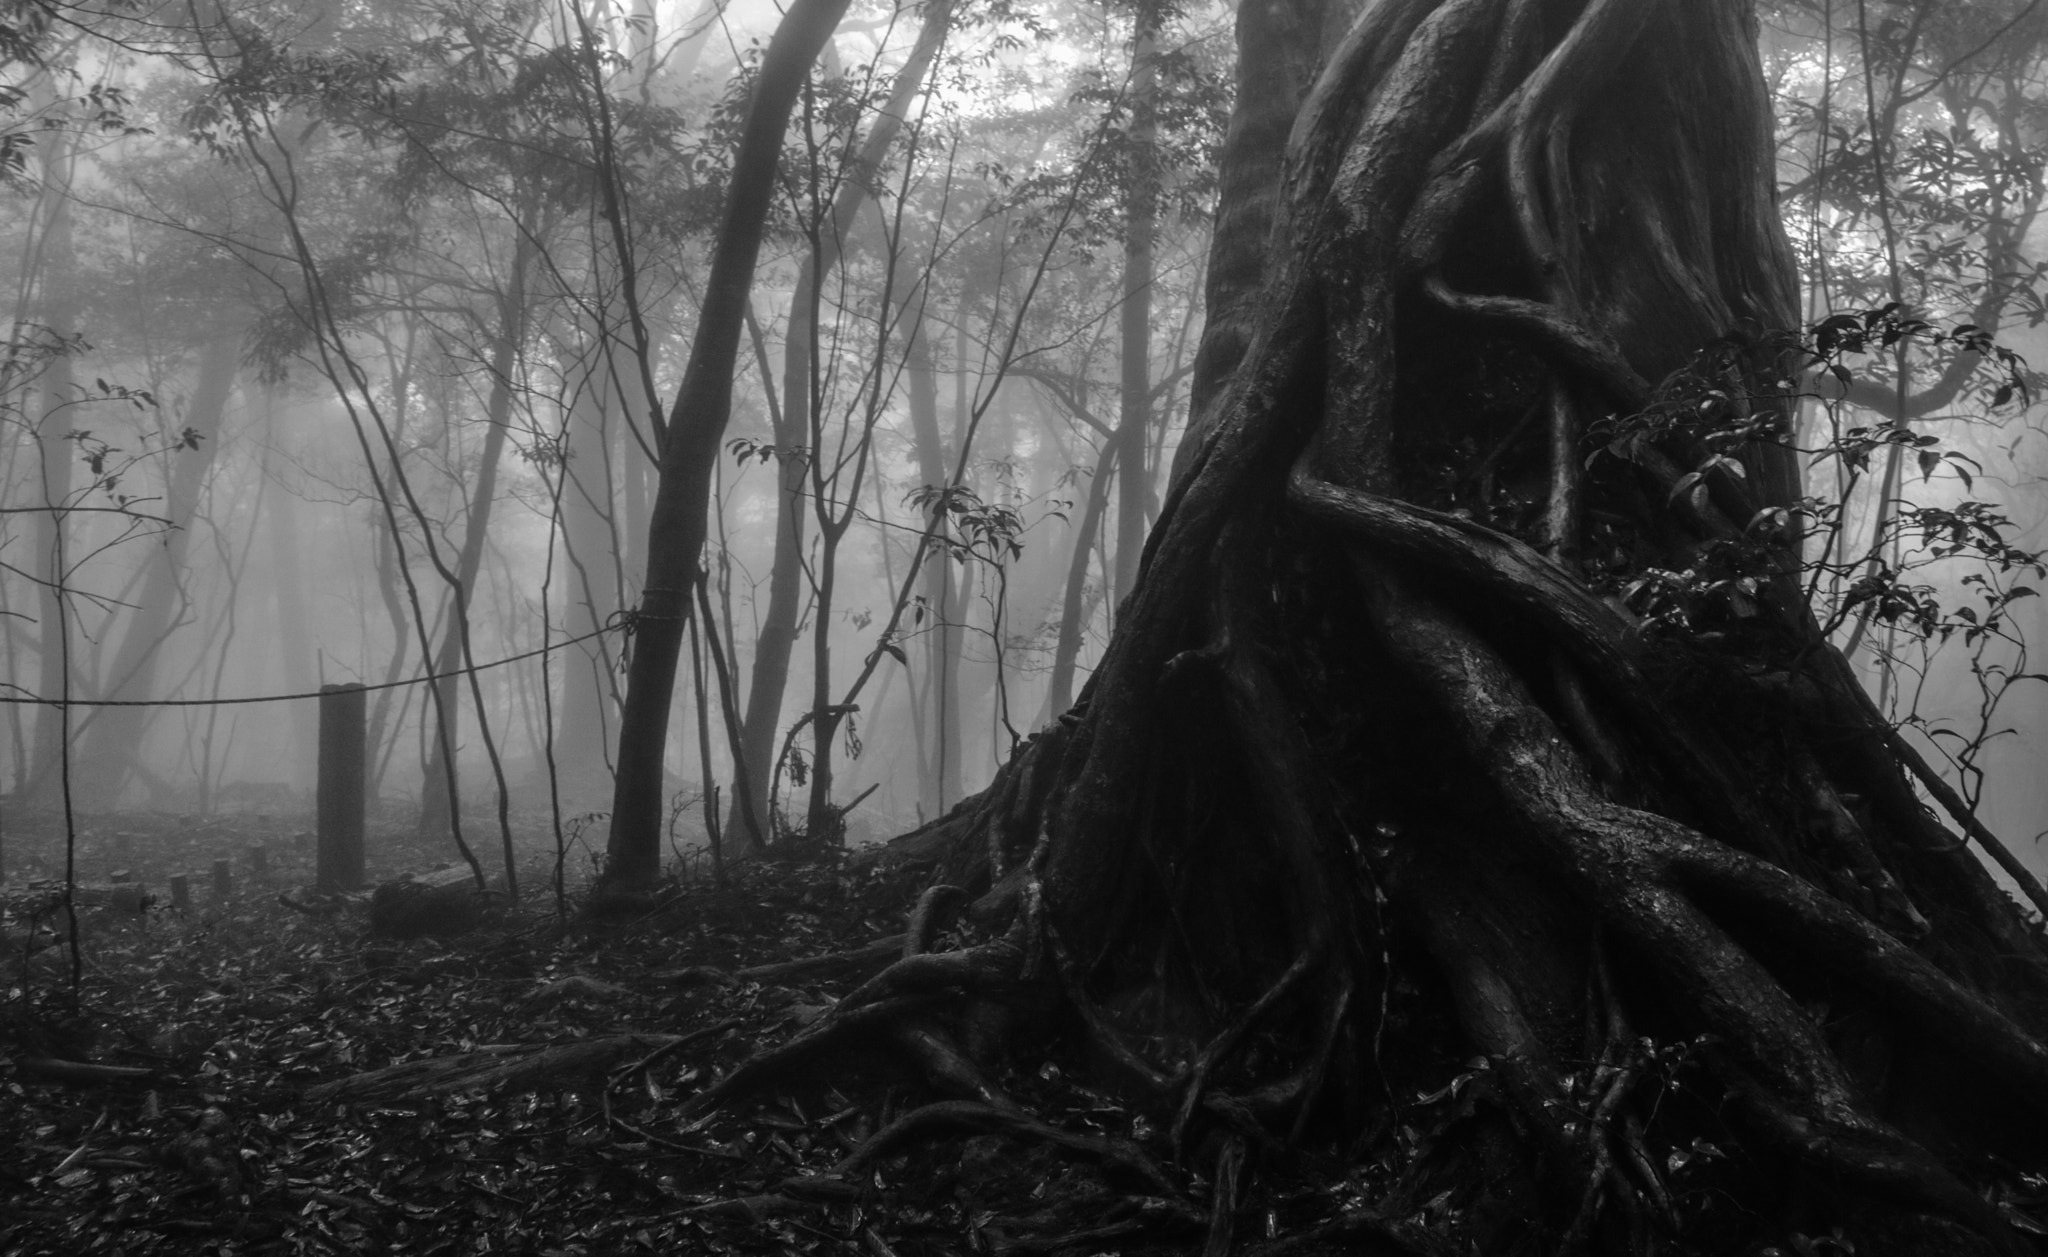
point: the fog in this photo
(343, 339)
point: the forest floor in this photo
(193, 1127)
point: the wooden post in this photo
(342, 756)
(259, 860)
(181, 892)
(223, 878)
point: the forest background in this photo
(1471, 617)
(344, 338)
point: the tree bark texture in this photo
(1280, 47)
(1379, 791)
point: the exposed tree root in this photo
(934, 907)
(1196, 1077)
(836, 1031)
(1223, 1198)
(1626, 865)
(1383, 827)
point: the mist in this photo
(825, 503)
(356, 375)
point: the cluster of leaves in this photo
(107, 464)
(747, 449)
(1830, 343)
(1709, 410)
(516, 119)
(101, 109)
(974, 529)
(1189, 111)
(265, 72)
(1973, 531)
(30, 346)
(1922, 155)
(24, 28)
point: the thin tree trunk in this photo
(955, 588)
(697, 34)
(115, 742)
(923, 388)
(1074, 606)
(641, 481)
(54, 452)
(388, 713)
(440, 798)
(584, 734)
(690, 448)
(288, 586)
(1141, 221)
(777, 638)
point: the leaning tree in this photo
(1385, 791)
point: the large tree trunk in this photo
(1378, 793)
(1280, 47)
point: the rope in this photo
(622, 622)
